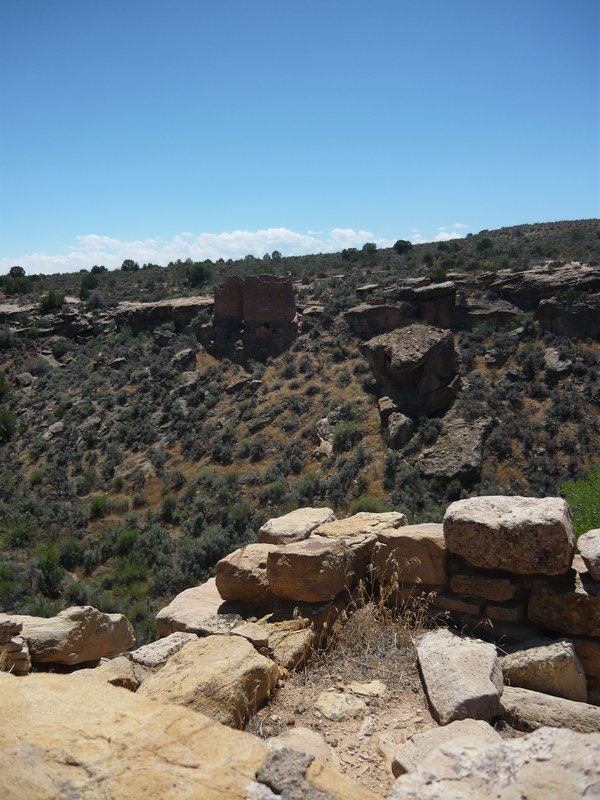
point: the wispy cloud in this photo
(442, 235)
(460, 226)
(91, 249)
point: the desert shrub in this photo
(167, 509)
(51, 302)
(345, 436)
(8, 424)
(99, 506)
(366, 503)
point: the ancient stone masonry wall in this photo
(254, 318)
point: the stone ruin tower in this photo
(254, 318)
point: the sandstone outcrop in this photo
(526, 710)
(526, 289)
(544, 764)
(147, 316)
(295, 526)
(416, 366)
(122, 745)
(367, 320)
(578, 319)
(118, 671)
(400, 429)
(546, 666)
(522, 535)
(462, 677)
(221, 676)
(76, 635)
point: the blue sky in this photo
(185, 128)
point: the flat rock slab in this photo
(295, 526)
(526, 710)
(76, 635)
(118, 671)
(412, 753)
(221, 676)
(304, 740)
(546, 666)
(363, 522)
(523, 535)
(549, 763)
(458, 450)
(338, 706)
(120, 745)
(412, 554)
(200, 610)
(462, 677)
(155, 655)
(242, 575)
(316, 569)
(589, 547)
(568, 603)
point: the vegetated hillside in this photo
(130, 465)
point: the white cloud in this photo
(460, 226)
(445, 236)
(90, 249)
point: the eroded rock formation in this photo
(416, 366)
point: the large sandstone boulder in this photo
(568, 603)
(462, 677)
(523, 535)
(589, 547)
(118, 671)
(546, 666)
(412, 753)
(412, 554)
(242, 575)
(295, 526)
(526, 710)
(549, 763)
(71, 737)
(198, 610)
(313, 570)
(415, 365)
(76, 635)
(222, 676)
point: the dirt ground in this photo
(366, 651)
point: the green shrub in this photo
(371, 504)
(99, 506)
(51, 302)
(345, 436)
(8, 424)
(584, 498)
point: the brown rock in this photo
(199, 610)
(522, 535)
(242, 575)
(475, 584)
(295, 526)
(546, 666)
(526, 710)
(415, 365)
(412, 554)
(222, 676)
(370, 320)
(588, 652)
(589, 547)
(76, 635)
(568, 603)
(316, 569)
(118, 672)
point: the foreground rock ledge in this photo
(72, 737)
(523, 535)
(549, 763)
